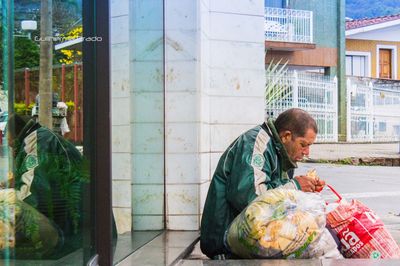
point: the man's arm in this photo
(246, 179)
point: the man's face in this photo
(298, 147)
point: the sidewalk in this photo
(182, 248)
(385, 154)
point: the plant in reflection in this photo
(275, 89)
(71, 56)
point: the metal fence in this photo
(373, 111)
(315, 93)
(288, 25)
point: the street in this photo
(376, 186)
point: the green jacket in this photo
(255, 162)
(49, 177)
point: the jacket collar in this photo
(30, 126)
(287, 163)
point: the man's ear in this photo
(286, 136)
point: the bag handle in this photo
(334, 192)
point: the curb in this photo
(377, 161)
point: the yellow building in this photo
(372, 47)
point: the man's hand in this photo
(310, 184)
(319, 185)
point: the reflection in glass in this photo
(41, 195)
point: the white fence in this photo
(373, 111)
(288, 25)
(317, 94)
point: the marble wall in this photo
(121, 114)
(147, 110)
(215, 82)
(212, 90)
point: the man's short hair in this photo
(296, 121)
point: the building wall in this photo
(325, 35)
(326, 16)
(214, 90)
(370, 46)
(320, 56)
(120, 110)
(146, 97)
(183, 97)
(387, 33)
(182, 133)
(236, 71)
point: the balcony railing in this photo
(288, 25)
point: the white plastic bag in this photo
(323, 248)
(281, 223)
(64, 126)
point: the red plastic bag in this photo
(361, 232)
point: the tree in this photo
(46, 64)
(357, 9)
(26, 53)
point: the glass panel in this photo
(137, 78)
(43, 172)
(349, 71)
(362, 66)
(356, 66)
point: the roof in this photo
(70, 45)
(360, 23)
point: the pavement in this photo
(378, 187)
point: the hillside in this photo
(371, 8)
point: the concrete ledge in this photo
(378, 161)
(166, 249)
(343, 150)
(342, 262)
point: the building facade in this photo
(372, 61)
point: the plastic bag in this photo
(361, 232)
(64, 126)
(8, 199)
(281, 223)
(323, 248)
(23, 229)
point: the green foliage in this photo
(22, 109)
(30, 224)
(71, 106)
(26, 53)
(356, 9)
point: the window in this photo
(396, 130)
(382, 126)
(356, 65)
